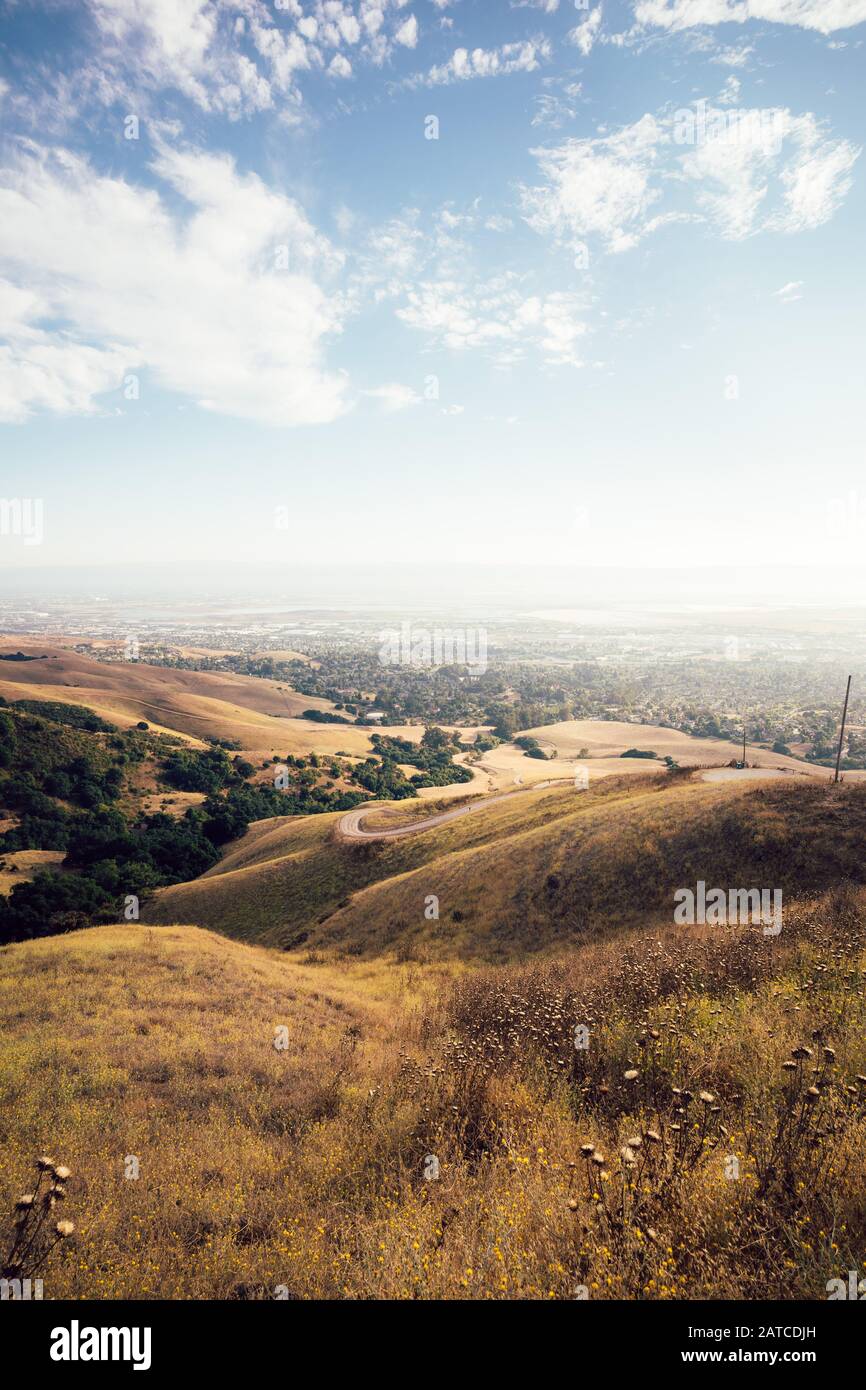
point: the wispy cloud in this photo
(239, 57)
(584, 35)
(500, 318)
(824, 15)
(465, 64)
(740, 171)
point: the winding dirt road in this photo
(350, 825)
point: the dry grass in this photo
(21, 865)
(288, 875)
(529, 873)
(606, 739)
(261, 715)
(304, 1169)
(553, 867)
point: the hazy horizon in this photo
(395, 584)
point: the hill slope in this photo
(535, 869)
(208, 1163)
(259, 714)
(167, 1055)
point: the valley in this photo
(314, 962)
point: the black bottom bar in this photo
(596, 1338)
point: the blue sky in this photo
(611, 314)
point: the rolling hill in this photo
(598, 745)
(195, 704)
(244, 1125)
(531, 871)
(259, 714)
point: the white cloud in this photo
(179, 32)
(372, 18)
(761, 153)
(238, 56)
(741, 171)
(597, 186)
(194, 297)
(389, 259)
(394, 396)
(497, 317)
(497, 223)
(735, 56)
(407, 34)
(191, 45)
(486, 62)
(585, 34)
(824, 15)
(44, 371)
(789, 293)
(554, 108)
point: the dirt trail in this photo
(350, 824)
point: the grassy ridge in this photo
(533, 871)
(285, 875)
(304, 1169)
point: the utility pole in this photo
(842, 730)
(744, 745)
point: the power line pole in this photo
(744, 745)
(842, 730)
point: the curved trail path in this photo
(350, 824)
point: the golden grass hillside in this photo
(533, 871)
(428, 1137)
(608, 739)
(259, 714)
(21, 865)
(598, 745)
(285, 874)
